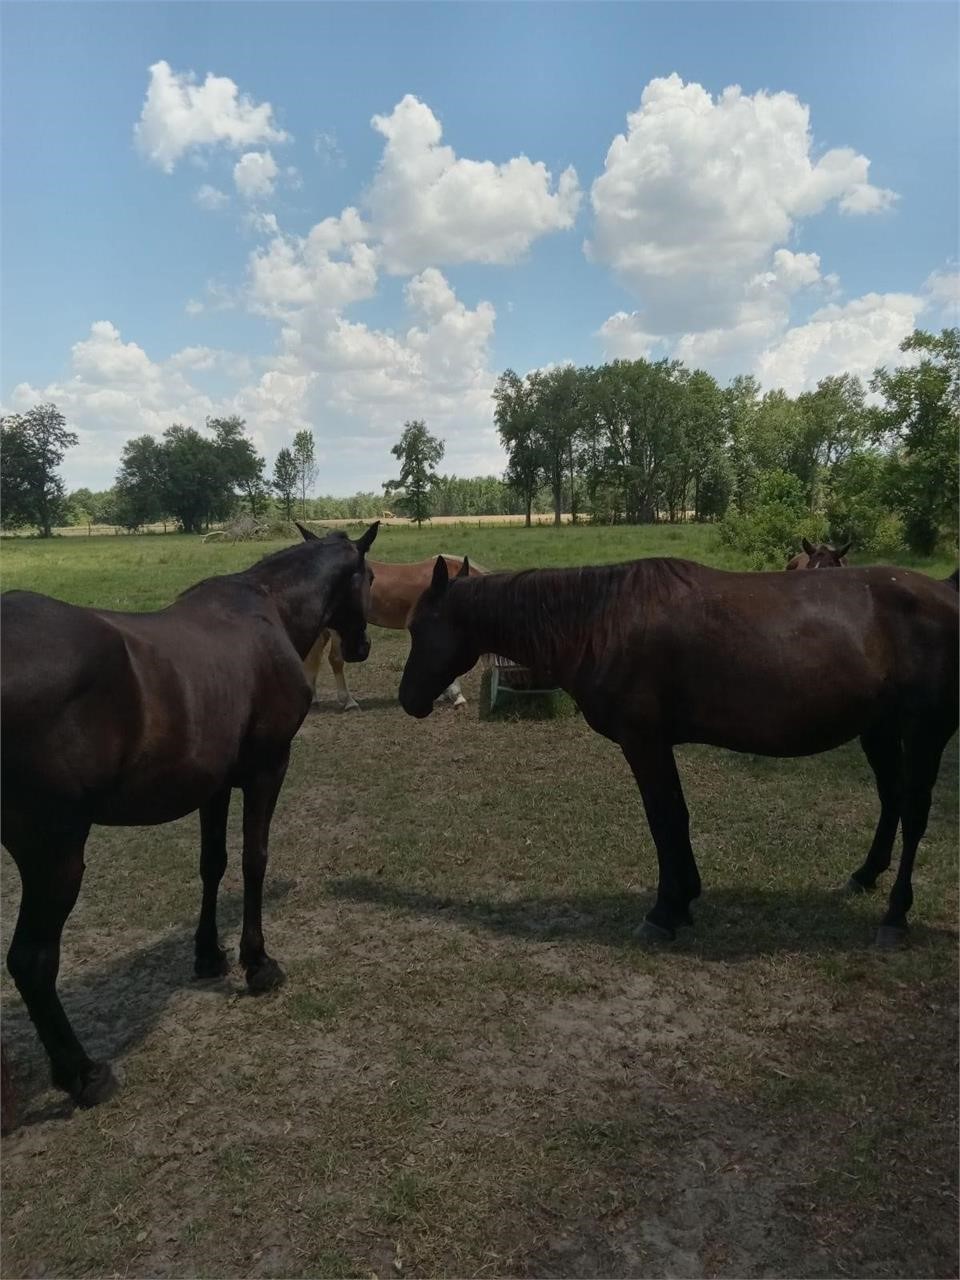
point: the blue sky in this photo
(371, 210)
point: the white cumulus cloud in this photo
(699, 193)
(429, 207)
(254, 175)
(942, 289)
(211, 198)
(180, 115)
(327, 269)
(852, 338)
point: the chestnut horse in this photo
(659, 652)
(129, 719)
(396, 589)
(819, 555)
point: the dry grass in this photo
(473, 1069)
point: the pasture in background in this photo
(473, 1069)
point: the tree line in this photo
(630, 441)
(635, 441)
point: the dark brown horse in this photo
(819, 555)
(128, 719)
(659, 652)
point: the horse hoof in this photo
(99, 1085)
(211, 966)
(654, 933)
(352, 705)
(459, 702)
(853, 888)
(891, 936)
(267, 976)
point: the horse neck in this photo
(303, 607)
(543, 619)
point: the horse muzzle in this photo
(358, 652)
(413, 706)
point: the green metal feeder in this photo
(509, 691)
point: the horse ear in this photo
(441, 576)
(308, 534)
(365, 541)
(842, 551)
(464, 570)
(807, 546)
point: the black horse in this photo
(126, 719)
(659, 652)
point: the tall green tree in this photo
(286, 476)
(706, 446)
(418, 453)
(637, 408)
(32, 447)
(920, 421)
(243, 467)
(557, 400)
(741, 405)
(305, 456)
(832, 425)
(194, 486)
(141, 484)
(515, 417)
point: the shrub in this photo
(770, 531)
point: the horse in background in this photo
(660, 652)
(819, 555)
(396, 589)
(133, 719)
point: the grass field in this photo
(473, 1069)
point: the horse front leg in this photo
(454, 695)
(655, 770)
(311, 663)
(210, 959)
(346, 699)
(259, 799)
(51, 871)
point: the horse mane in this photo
(563, 615)
(284, 559)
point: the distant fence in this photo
(399, 522)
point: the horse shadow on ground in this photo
(331, 708)
(730, 924)
(113, 1009)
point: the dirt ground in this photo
(474, 1069)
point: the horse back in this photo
(781, 664)
(397, 587)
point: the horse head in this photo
(440, 648)
(822, 555)
(350, 599)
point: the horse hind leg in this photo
(51, 871)
(922, 750)
(210, 959)
(346, 699)
(883, 751)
